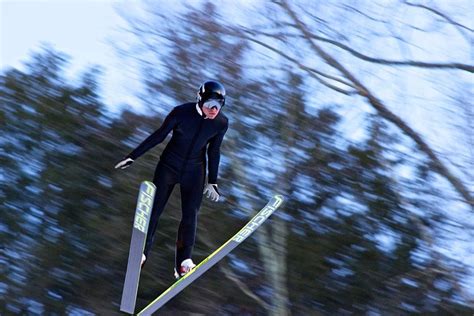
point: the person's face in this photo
(211, 108)
(210, 113)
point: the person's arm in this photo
(157, 137)
(214, 155)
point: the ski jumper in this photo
(183, 162)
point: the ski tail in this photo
(137, 245)
(215, 257)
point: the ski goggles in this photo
(217, 103)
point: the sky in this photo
(83, 29)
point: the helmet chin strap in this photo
(200, 111)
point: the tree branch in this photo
(388, 62)
(411, 63)
(316, 74)
(444, 16)
(382, 109)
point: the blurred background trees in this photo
(331, 104)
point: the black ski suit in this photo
(183, 161)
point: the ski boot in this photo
(186, 266)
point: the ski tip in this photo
(276, 201)
(149, 184)
(279, 197)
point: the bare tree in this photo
(309, 40)
(280, 38)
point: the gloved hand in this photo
(124, 163)
(211, 192)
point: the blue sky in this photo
(83, 29)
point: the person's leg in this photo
(192, 185)
(164, 180)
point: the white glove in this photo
(124, 163)
(211, 192)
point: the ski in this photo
(137, 245)
(215, 257)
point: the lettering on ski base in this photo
(213, 258)
(144, 206)
(256, 222)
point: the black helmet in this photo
(211, 90)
